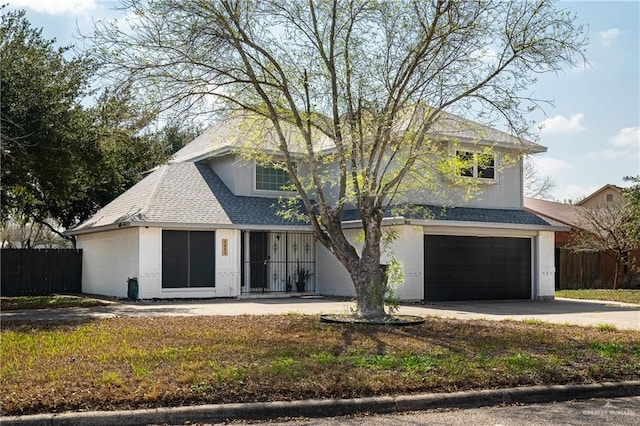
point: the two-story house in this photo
(206, 225)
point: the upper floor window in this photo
(270, 178)
(477, 164)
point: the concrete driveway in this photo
(623, 316)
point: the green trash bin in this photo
(132, 289)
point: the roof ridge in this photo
(154, 193)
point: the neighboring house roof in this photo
(598, 192)
(185, 193)
(567, 214)
(463, 214)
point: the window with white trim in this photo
(480, 165)
(271, 178)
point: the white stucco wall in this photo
(150, 253)
(408, 249)
(228, 266)
(545, 265)
(333, 279)
(108, 260)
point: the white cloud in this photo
(611, 154)
(56, 7)
(626, 145)
(607, 37)
(627, 137)
(486, 55)
(549, 165)
(562, 124)
(577, 192)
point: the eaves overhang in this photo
(399, 220)
(187, 226)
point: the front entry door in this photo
(258, 258)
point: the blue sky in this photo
(592, 131)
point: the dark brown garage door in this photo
(476, 268)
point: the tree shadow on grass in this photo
(552, 307)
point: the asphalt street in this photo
(612, 412)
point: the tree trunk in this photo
(370, 291)
(370, 279)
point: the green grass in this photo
(627, 296)
(48, 302)
(126, 363)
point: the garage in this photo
(476, 268)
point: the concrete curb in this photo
(331, 407)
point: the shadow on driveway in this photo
(551, 307)
(577, 312)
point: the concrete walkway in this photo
(587, 313)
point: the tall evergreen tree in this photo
(62, 160)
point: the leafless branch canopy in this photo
(607, 228)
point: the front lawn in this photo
(627, 296)
(125, 363)
(47, 302)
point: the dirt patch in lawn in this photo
(49, 302)
(126, 363)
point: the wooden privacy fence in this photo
(40, 272)
(578, 270)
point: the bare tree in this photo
(369, 82)
(605, 228)
(20, 231)
(536, 184)
(632, 195)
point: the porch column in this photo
(544, 276)
(228, 264)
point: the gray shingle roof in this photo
(186, 193)
(251, 131)
(451, 126)
(248, 131)
(463, 214)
